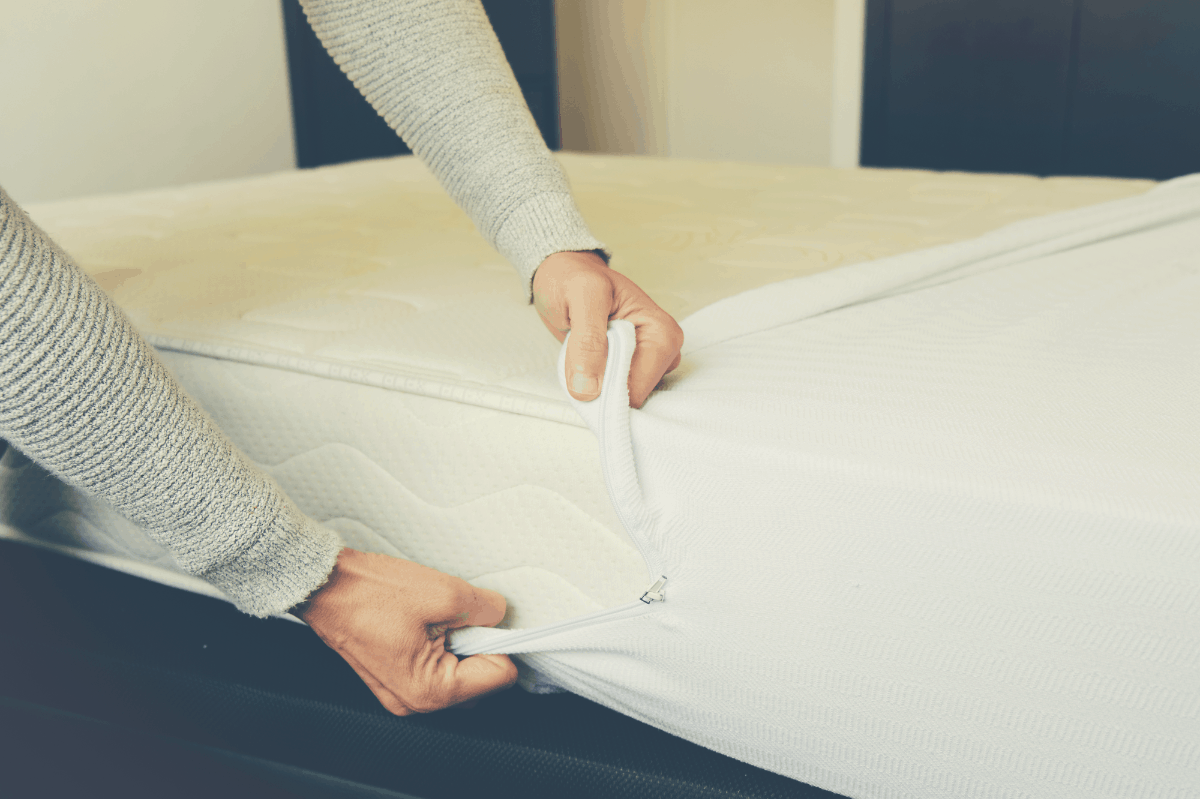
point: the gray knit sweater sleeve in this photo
(84, 396)
(434, 70)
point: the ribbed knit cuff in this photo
(538, 228)
(283, 567)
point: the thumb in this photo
(479, 675)
(587, 353)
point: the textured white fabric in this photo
(931, 525)
(510, 502)
(893, 694)
(362, 346)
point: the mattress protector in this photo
(946, 544)
(935, 535)
(359, 341)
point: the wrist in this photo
(593, 257)
(601, 255)
(568, 260)
(326, 594)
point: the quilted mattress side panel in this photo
(508, 502)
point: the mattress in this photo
(359, 341)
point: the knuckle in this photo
(467, 596)
(589, 281)
(670, 331)
(448, 591)
(670, 344)
(676, 334)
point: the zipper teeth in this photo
(558, 627)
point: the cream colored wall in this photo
(845, 124)
(612, 75)
(103, 97)
(774, 81)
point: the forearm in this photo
(83, 394)
(435, 72)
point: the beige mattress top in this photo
(370, 265)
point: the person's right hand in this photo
(388, 619)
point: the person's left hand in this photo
(578, 292)
(388, 618)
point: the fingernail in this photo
(585, 384)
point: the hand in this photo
(578, 292)
(388, 619)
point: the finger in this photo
(674, 364)
(588, 309)
(485, 608)
(469, 607)
(479, 675)
(658, 351)
(551, 315)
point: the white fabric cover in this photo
(943, 545)
(931, 525)
(510, 502)
(358, 341)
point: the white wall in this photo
(100, 96)
(756, 80)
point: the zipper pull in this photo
(655, 593)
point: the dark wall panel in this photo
(1136, 110)
(977, 86)
(333, 123)
(1094, 87)
(525, 29)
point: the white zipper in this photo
(655, 593)
(519, 638)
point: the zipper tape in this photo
(488, 640)
(608, 418)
